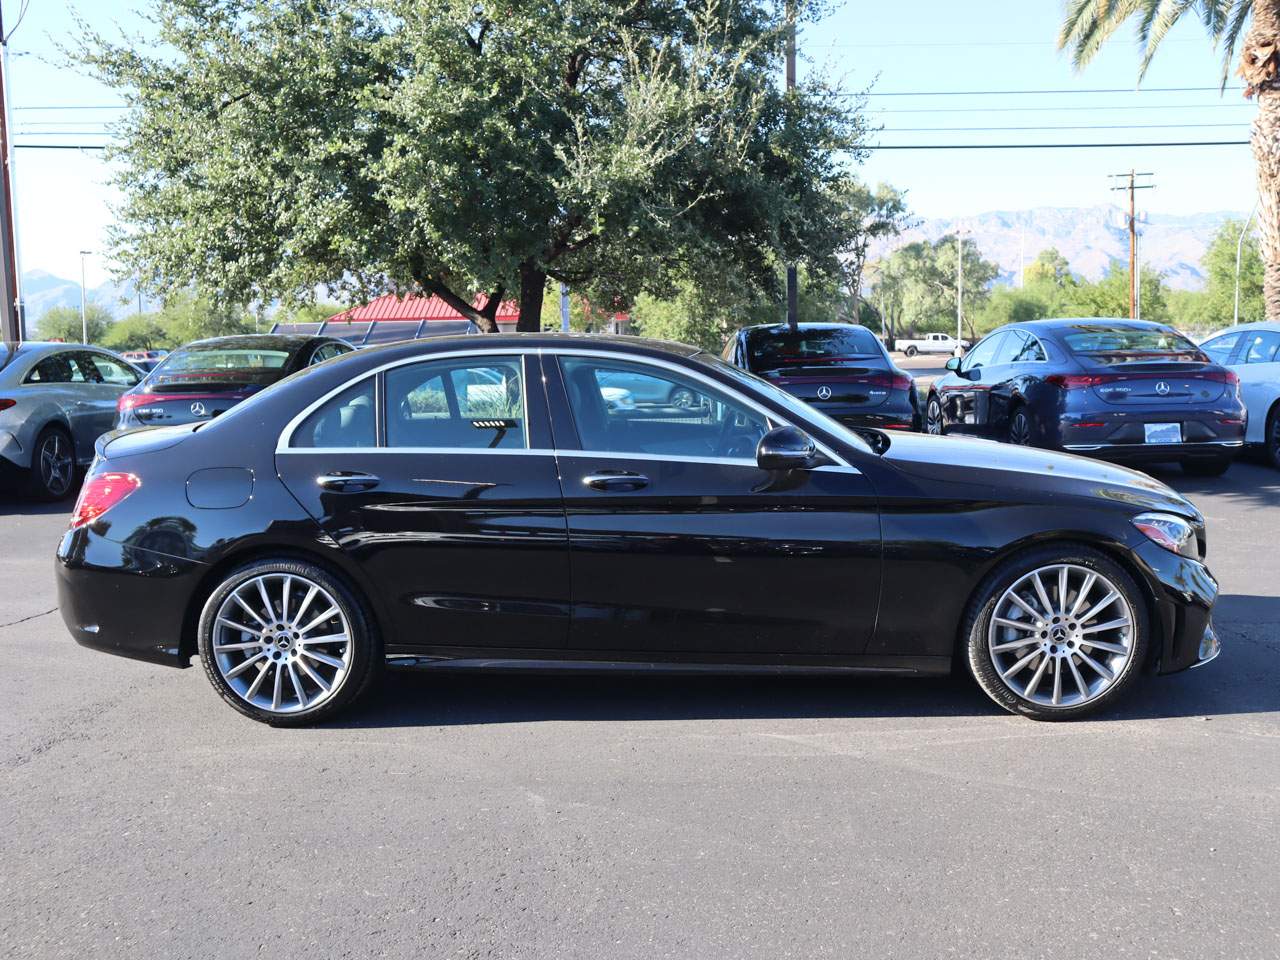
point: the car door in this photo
(114, 377)
(963, 395)
(447, 496)
(1257, 363)
(682, 547)
(62, 381)
(1003, 378)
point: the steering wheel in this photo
(738, 442)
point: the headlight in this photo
(1171, 532)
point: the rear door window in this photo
(58, 368)
(457, 404)
(1261, 348)
(1220, 349)
(113, 371)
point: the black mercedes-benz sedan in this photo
(207, 378)
(480, 499)
(1127, 390)
(842, 369)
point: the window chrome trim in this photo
(521, 353)
(286, 435)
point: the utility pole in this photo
(793, 278)
(84, 304)
(1131, 187)
(11, 319)
(1235, 316)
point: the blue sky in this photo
(894, 48)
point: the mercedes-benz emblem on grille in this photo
(1162, 388)
(824, 393)
(197, 408)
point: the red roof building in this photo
(417, 308)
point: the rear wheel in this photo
(53, 465)
(681, 397)
(933, 416)
(287, 643)
(1056, 633)
(1214, 467)
(1020, 428)
(911, 351)
(1272, 440)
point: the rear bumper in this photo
(1211, 430)
(1159, 452)
(125, 600)
(1184, 592)
(893, 414)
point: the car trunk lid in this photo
(1144, 381)
(848, 383)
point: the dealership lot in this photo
(613, 816)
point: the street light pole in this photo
(793, 278)
(959, 286)
(84, 306)
(1235, 316)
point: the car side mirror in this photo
(786, 448)
(953, 364)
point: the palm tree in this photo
(1088, 23)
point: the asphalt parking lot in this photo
(468, 815)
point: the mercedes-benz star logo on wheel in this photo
(824, 393)
(197, 409)
(1162, 388)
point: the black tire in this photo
(366, 649)
(1021, 430)
(681, 397)
(43, 483)
(933, 416)
(1271, 440)
(1214, 467)
(911, 351)
(977, 621)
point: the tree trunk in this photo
(533, 285)
(484, 319)
(1258, 67)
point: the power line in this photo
(1053, 146)
(1022, 93)
(1101, 126)
(1040, 108)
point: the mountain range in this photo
(1089, 237)
(42, 291)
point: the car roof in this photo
(1255, 325)
(549, 341)
(288, 342)
(786, 327)
(1065, 323)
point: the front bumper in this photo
(1184, 591)
(125, 600)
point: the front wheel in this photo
(1056, 633)
(933, 417)
(1272, 440)
(1206, 468)
(287, 643)
(911, 351)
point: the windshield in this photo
(184, 361)
(771, 349)
(1100, 342)
(801, 410)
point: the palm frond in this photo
(1088, 24)
(1229, 39)
(1160, 18)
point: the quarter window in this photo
(634, 408)
(1261, 348)
(347, 420)
(465, 403)
(1030, 351)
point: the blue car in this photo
(1126, 390)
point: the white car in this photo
(933, 343)
(1252, 351)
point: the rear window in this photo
(187, 360)
(770, 349)
(1101, 342)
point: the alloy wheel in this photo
(1061, 635)
(282, 643)
(1273, 437)
(56, 464)
(682, 398)
(933, 417)
(1020, 429)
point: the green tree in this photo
(916, 286)
(306, 312)
(452, 146)
(1219, 266)
(1088, 23)
(64, 323)
(873, 215)
(142, 331)
(1051, 268)
(1109, 297)
(186, 316)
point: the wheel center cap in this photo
(1059, 634)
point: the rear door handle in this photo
(347, 482)
(616, 480)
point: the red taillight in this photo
(901, 381)
(100, 493)
(1076, 381)
(6, 403)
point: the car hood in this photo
(1044, 473)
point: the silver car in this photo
(56, 399)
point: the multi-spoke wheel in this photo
(1020, 428)
(53, 464)
(1272, 438)
(933, 417)
(286, 642)
(683, 398)
(1057, 632)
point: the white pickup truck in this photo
(932, 343)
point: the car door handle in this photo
(616, 480)
(347, 482)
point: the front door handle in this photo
(616, 480)
(347, 482)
